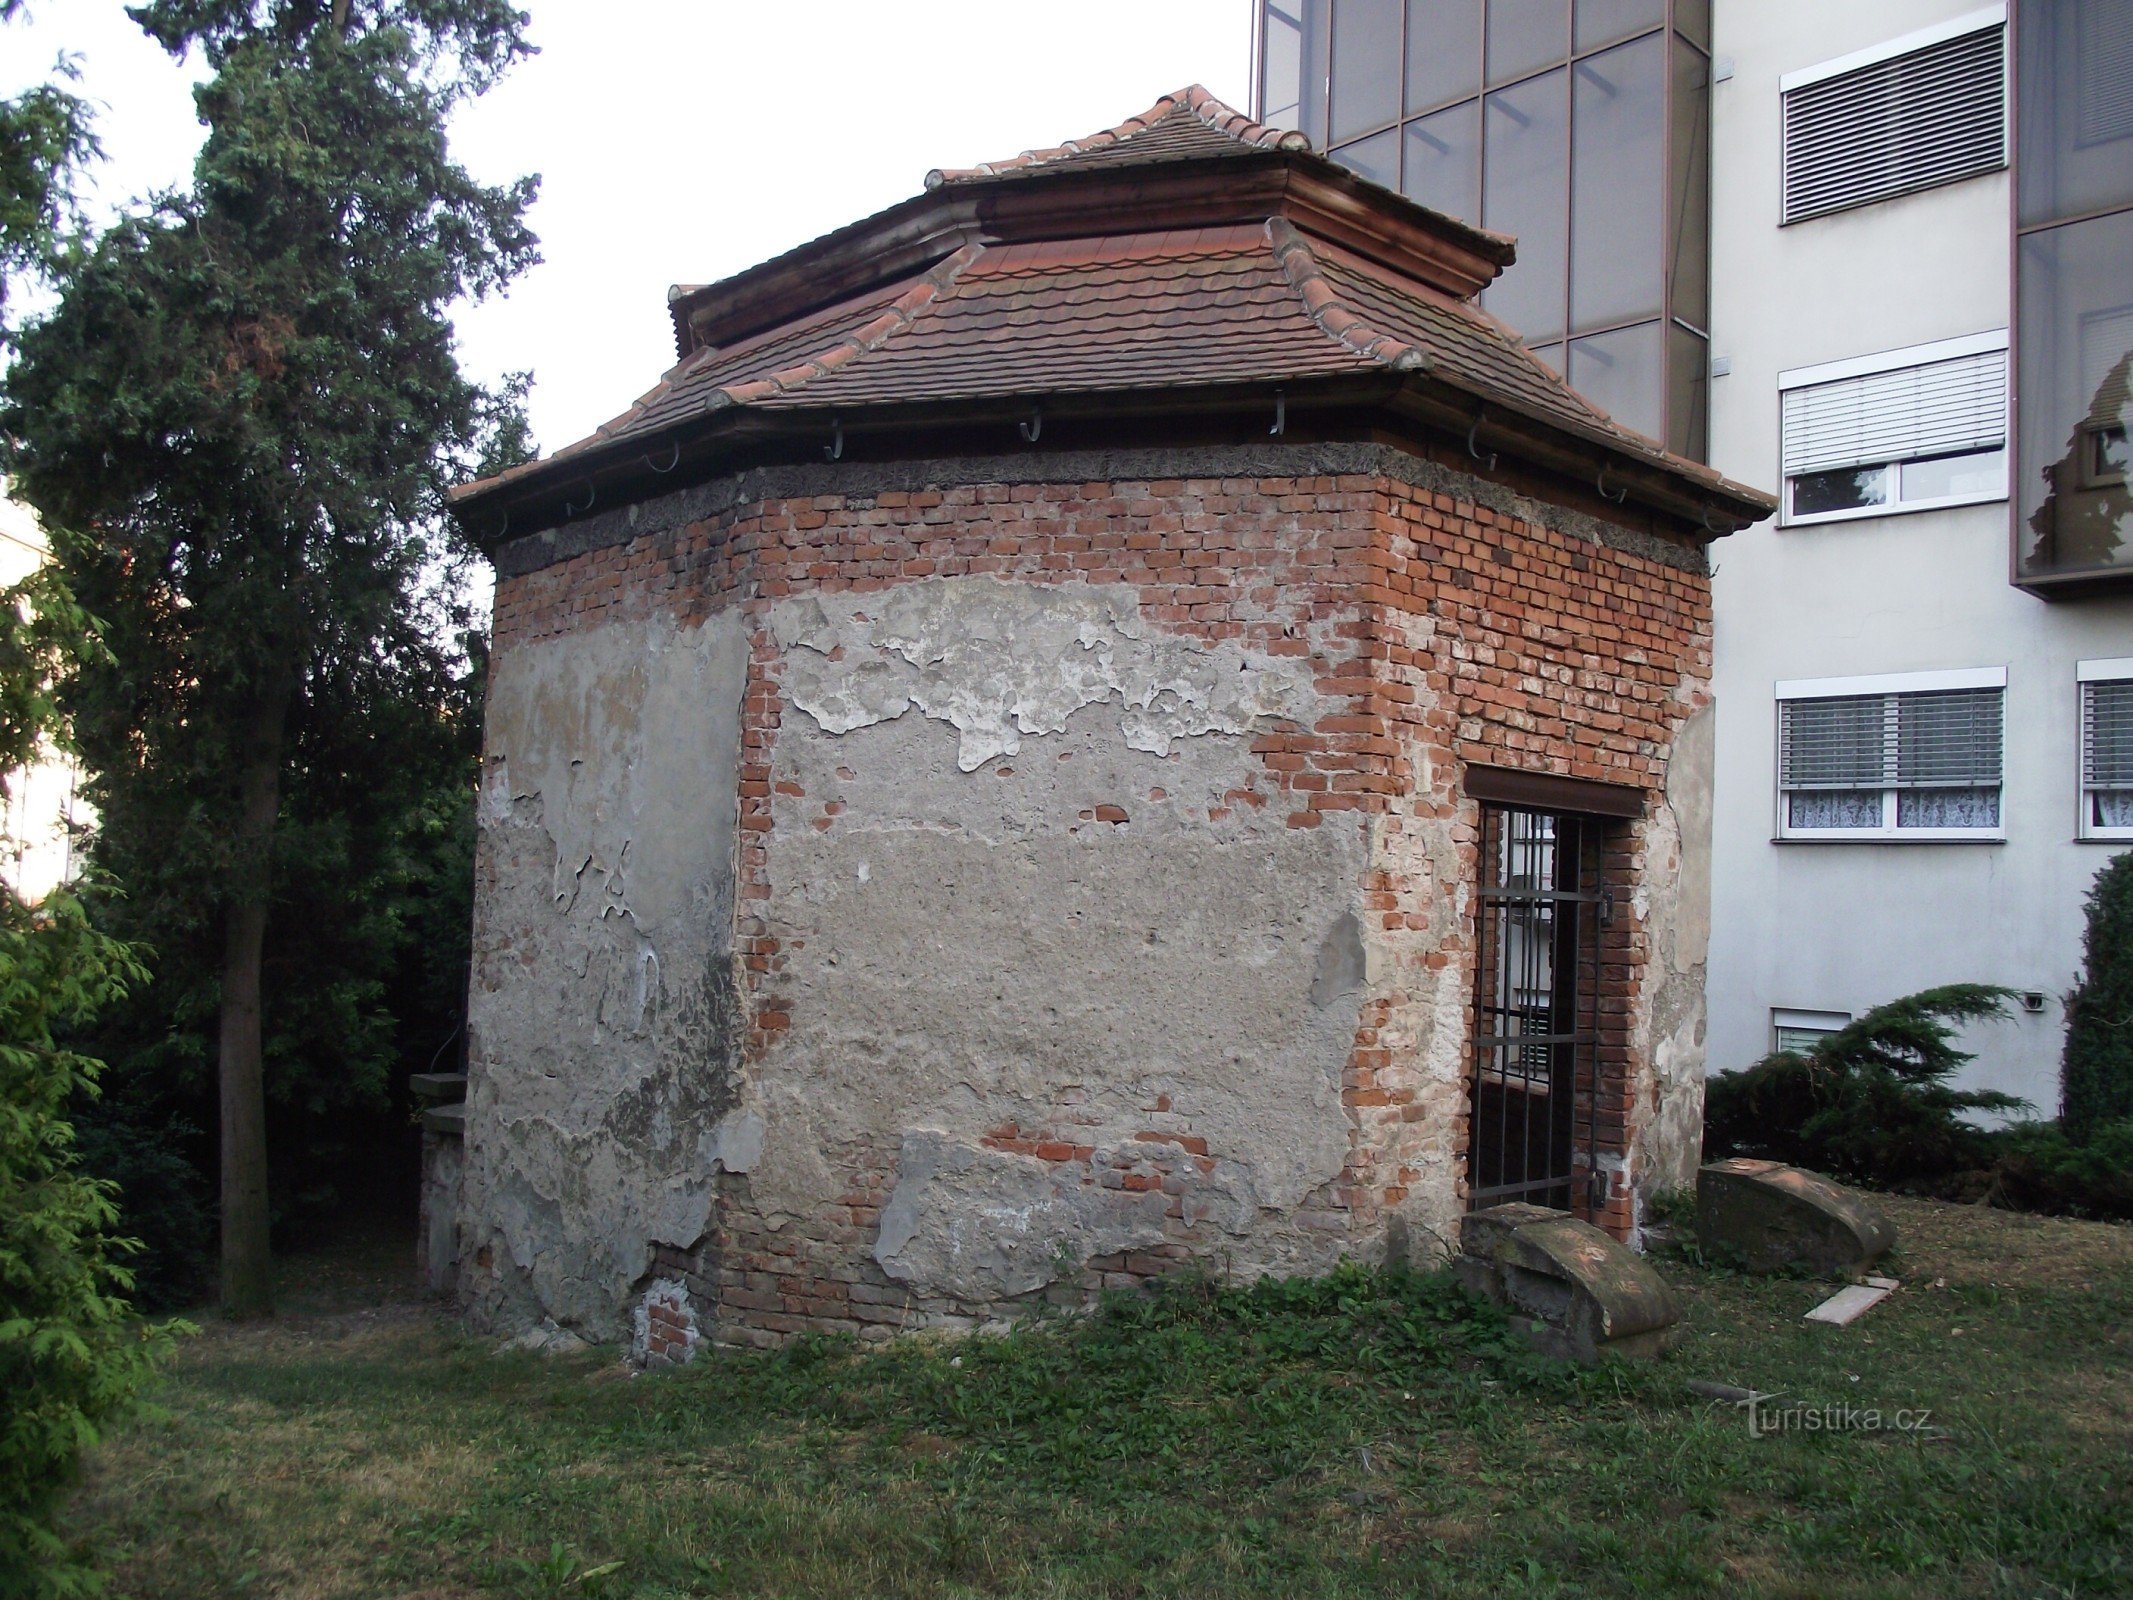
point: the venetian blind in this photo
(1940, 408)
(1920, 119)
(1947, 738)
(2107, 735)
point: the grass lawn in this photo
(1371, 1437)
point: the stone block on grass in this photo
(1775, 1218)
(1576, 1293)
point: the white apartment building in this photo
(1925, 663)
(1876, 257)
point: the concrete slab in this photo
(1849, 1304)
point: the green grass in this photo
(1371, 1434)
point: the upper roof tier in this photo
(1188, 259)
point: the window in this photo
(1905, 430)
(1924, 110)
(2073, 522)
(1803, 1030)
(1581, 126)
(1913, 756)
(2106, 749)
(1292, 66)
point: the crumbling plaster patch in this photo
(1421, 850)
(604, 1017)
(998, 660)
(1064, 896)
(1673, 901)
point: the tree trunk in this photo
(247, 1290)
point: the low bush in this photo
(2038, 1168)
(1871, 1103)
(72, 1354)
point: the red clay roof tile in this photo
(1187, 123)
(1258, 302)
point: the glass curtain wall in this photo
(1582, 127)
(2073, 293)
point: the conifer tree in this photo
(240, 421)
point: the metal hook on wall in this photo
(1281, 413)
(1599, 482)
(1711, 527)
(502, 528)
(834, 450)
(673, 460)
(1473, 449)
(1032, 428)
(591, 494)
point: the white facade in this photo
(37, 822)
(1834, 928)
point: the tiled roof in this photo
(1177, 127)
(1249, 302)
(1243, 304)
(1141, 312)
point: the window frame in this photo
(2117, 669)
(1917, 355)
(1799, 1020)
(1939, 33)
(1894, 683)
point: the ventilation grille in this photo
(1941, 408)
(1896, 126)
(1944, 739)
(2107, 735)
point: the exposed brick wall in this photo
(1502, 642)
(1442, 632)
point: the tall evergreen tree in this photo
(72, 1356)
(45, 139)
(2096, 1069)
(246, 408)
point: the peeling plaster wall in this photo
(1422, 883)
(604, 1018)
(1673, 900)
(1102, 905)
(1040, 925)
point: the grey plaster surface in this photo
(604, 1020)
(1035, 876)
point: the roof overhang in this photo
(1419, 408)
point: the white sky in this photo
(683, 142)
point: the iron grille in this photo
(1532, 1130)
(1913, 122)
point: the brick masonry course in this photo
(880, 1119)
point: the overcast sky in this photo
(683, 142)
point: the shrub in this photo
(72, 1355)
(2096, 1072)
(1870, 1103)
(2040, 1169)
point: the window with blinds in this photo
(2107, 756)
(1802, 1031)
(1896, 433)
(1891, 764)
(1895, 125)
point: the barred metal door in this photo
(1532, 1133)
